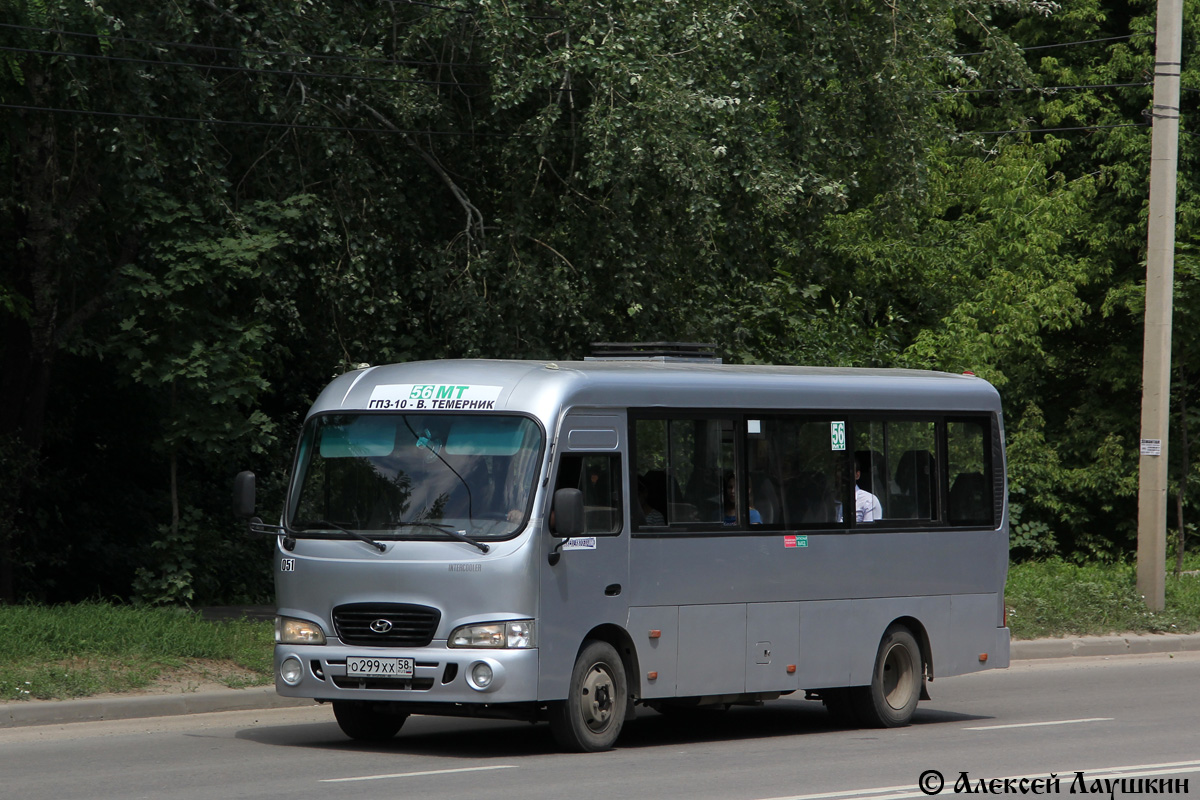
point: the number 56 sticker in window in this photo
(837, 435)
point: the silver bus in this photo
(565, 541)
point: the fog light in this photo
(290, 670)
(481, 675)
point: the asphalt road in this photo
(1096, 715)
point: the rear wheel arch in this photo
(917, 629)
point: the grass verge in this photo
(1057, 598)
(92, 648)
(60, 652)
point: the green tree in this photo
(233, 203)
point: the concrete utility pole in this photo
(1160, 280)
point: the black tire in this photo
(367, 722)
(590, 719)
(896, 683)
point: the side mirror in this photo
(566, 519)
(568, 513)
(243, 494)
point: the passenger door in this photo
(587, 586)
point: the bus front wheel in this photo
(891, 699)
(366, 722)
(590, 719)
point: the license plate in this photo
(367, 667)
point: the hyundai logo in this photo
(381, 626)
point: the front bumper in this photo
(440, 674)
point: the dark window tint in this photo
(683, 466)
(599, 478)
(896, 464)
(797, 472)
(970, 474)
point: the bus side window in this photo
(681, 471)
(599, 478)
(802, 472)
(913, 490)
(654, 480)
(765, 505)
(970, 475)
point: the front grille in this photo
(407, 625)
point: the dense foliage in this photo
(209, 209)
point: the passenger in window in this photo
(731, 515)
(652, 515)
(866, 505)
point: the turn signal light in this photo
(651, 676)
(983, 658)
(655, 634)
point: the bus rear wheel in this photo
(891, 699)
(590, 719)
(367, 722)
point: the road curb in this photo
(94, 709)
(60, 712)
(1132, 644)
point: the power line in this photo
(1085, 41)
(1041, 88)
(254, 124)
(1059, 44)
(351, 129)
(231, 68)
(1055, 130)
(236, 50)
(469, 12)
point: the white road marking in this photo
(1039, 724)
(415, 774)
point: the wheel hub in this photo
(597, 692)
(898, 677)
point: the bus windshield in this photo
(393, 475)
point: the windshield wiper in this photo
(324, 523)
(449, 531)
(423, 441)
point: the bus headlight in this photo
(517, 635)
(297, 631)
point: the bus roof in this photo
(542, 387)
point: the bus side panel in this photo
(759, 567)
(655, 634)
(973, 632)
(694, 650)
(825, 647)
(772, 644)
(712, 649)
(839, 638)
